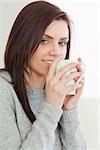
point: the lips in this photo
(48, 61)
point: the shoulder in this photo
(5, 82)
(6, 90)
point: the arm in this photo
(71, 133)
(42, 135)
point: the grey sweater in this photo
(54, 129)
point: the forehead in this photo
(57, 28)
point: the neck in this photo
(36, 82)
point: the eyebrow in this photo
(50, 37)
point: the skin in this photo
(53, 47)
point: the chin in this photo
(44, 73)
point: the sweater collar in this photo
(5, 75)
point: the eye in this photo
(62, 43)
(44, 41)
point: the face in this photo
(52, 45)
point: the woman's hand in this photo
(55, 87)
(71, 101)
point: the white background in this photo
(85, 44)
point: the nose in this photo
(55, 50)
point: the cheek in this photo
(63, 53)
(41, 52)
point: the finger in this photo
(82, 83)
(71, 77)
(80, 78)
(76, 86)
(69, 88)
(79, 90)
(81, 67)
(51, 71)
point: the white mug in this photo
(63, 63)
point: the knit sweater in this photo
(53, 129)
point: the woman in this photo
(35, 113)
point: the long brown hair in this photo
(24, 38)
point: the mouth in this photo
(48, 61)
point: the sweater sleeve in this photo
(71, 134)
(42, 135)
